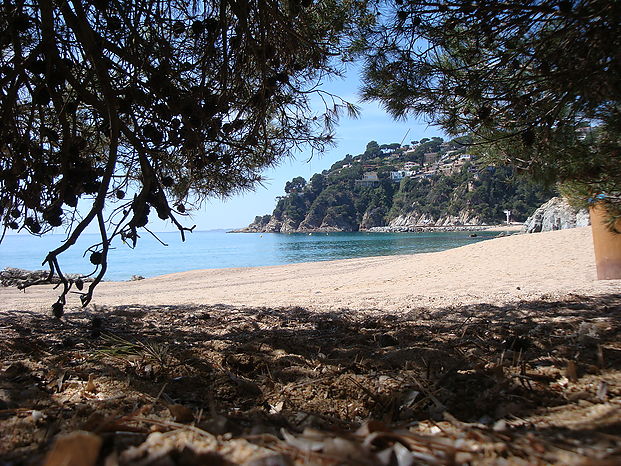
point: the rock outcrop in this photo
(289, 225)
(258, 226)
(265, 224)
(273, 226)
(255, 228)
(21, 278)
(327, 223)
(310, 223)
(373, 217)
(335, 225)
(556, 214)
(373, 220)
(414, 220)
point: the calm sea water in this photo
(218, 249)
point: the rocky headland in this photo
(432, 185)
(556, 214)
(372, 221)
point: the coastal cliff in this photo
(373, 220)
(410, 189)
(288, 225)
(419, 219)
(556, 214)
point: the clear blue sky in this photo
(352, 136)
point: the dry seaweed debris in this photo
(534, 383)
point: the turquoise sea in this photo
(218, 249)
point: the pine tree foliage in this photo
(529, 80)
(114, 112)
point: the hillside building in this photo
(398, 175)
(369, 179)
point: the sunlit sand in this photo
(509, 269)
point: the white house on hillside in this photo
(368, 179)
(399, 175)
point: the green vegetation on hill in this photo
(443, 185)
(485, 193)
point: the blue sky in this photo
(352, 136)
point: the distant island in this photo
(428, 184)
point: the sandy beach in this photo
(514, 227)
(502, 349)
(502, 270)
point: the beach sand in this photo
(514, 228)
(502, 270)
(505, 350)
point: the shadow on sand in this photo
(255, 370)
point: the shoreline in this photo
(26, 273)
(426, 229)
(501, 270)
(514, 227)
